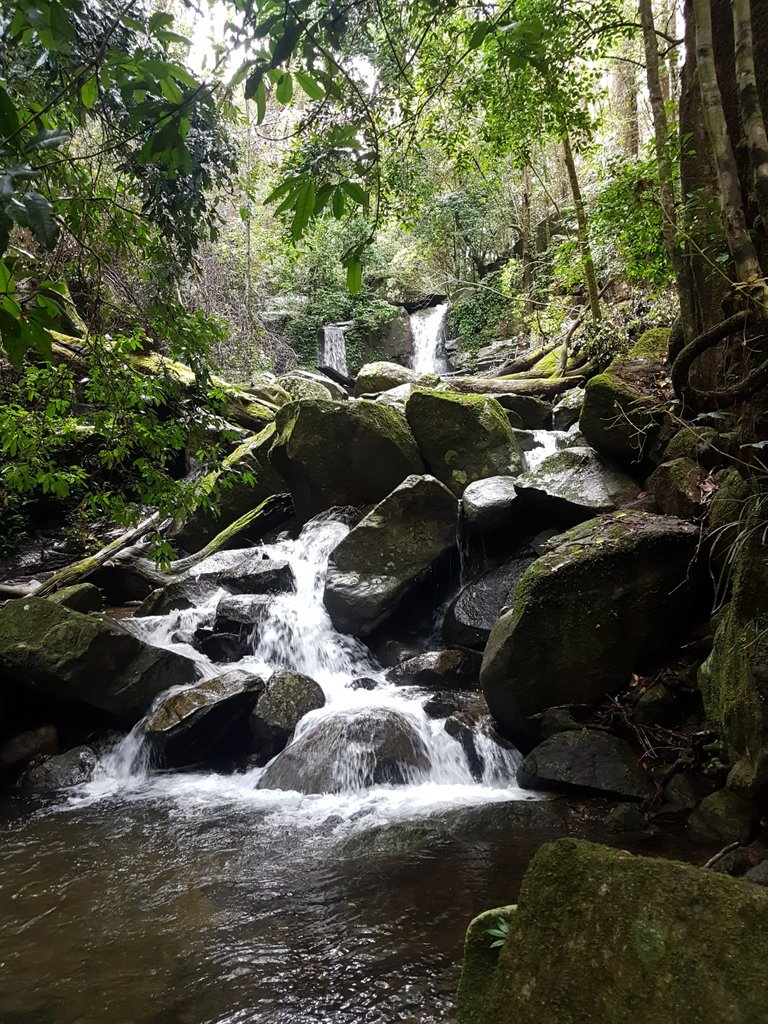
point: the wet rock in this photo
(568, 409)
(350, 751)
(25, 746)
(364, 683)
(529, 440)
(463, 438)
(627, 939)
(440, 706)
(62, 771)
(526, 412)
(659, 705)
(758, 875)
(489, 505)
(342, 454)
(388, 553)
(556, 720)
(461, 727)
(472, 613)
(304, 385)
(246, 478)
(725, 816)
(376, 377)
(571, 486)
(685, 790)
(702, 445)
(289, 696)
(454, 669)
(85, 659)
(203, 720)
(244, 571)
(625, 818)
(82, 597)
(585, 759)
(677, 488)
(619, 590)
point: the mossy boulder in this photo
(725, 816)
(288, 697)
(204, 721)
(588, 760)
(388, 553)
(246, 478)
(602, 935)
(342, 454)
(81, 597)
(471, 614)
(607, 596)
(376, 377)
(568, 409)
(652, 345)
(677, 487)
(701, 444)
(299, 385)
(622, 417)
(84, 659)
(526, 412)
(463, 438)
(571, 486)
(734, 678)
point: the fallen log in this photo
(543, 388)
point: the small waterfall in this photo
(428, 330)
(334, 347)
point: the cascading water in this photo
(334, 347)
(428, 331)
(296, 633)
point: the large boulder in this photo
(571, 486)
(376, 377)
(246, 478)
(489, 505)
(289, 696)
(202, 721)
(242, 571)
(62, 771)
(607, 596)
(585, 759)
(80, 597)
(388, 553)
(472, 613)
(678, 487)
(27, 746)
(350, 751)
(601, 935)
(342, 454)
(86, 659)
(568, 409)
(452, 669)
(526, 412)
(463, 437)
(300, 384)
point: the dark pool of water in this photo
(147, 913)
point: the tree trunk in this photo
(666, 180)
(590, 278)
(525, 238)
(749, 102)
(624, 93)
(741, 247)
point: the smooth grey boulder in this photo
(242, 571)
(337, 454)
(62, 771)
(472, 613)
(27, 745)
(349, 752)
(489, 505)
(288, 697)
(568, 409)
(445, 670)
(573, 485)
(377, 377)
(206, 720)
(585, 759)
(86, 659)
(81, 597)
(608, 595)
(526, 412)
(388, 553)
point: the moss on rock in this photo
(619, 420)
(652, 344)
(676, 486)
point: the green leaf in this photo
(10, 333)
(160, 19)
(338, 203)
(286, 43)
(261, 102)
(284, 91)
(354, 276)
(89, 92)
(291, 185)
(9, 118)
(305, 206)
(48, 138)
(308, 84)
(252, 83)
(356, 193)
(36, 336)
(478, 34)
(40, 218)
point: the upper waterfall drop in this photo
(428, 330)
(333, 351)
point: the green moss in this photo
(652, 344)
(480, 962)
(618, 420)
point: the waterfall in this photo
(334, 347)
(428, 330)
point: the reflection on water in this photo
(158, 912)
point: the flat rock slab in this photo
(585, 759)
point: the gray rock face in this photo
(489, 505)
(243, 571)
(82, 597)
(303, 385)
(472, 613)
(85, 659)
(289, 696)
(585, 759)
(608, 595)
(568, 409)
(445, 670)
(574, 485)
(25, 746)
(60, 772)
(526, 412)
(376, 377)
(204, 720)
(335, 454)
(351, 751)
(388, 553)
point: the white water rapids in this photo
(428, 330)
(297, 634)
(334, 352)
